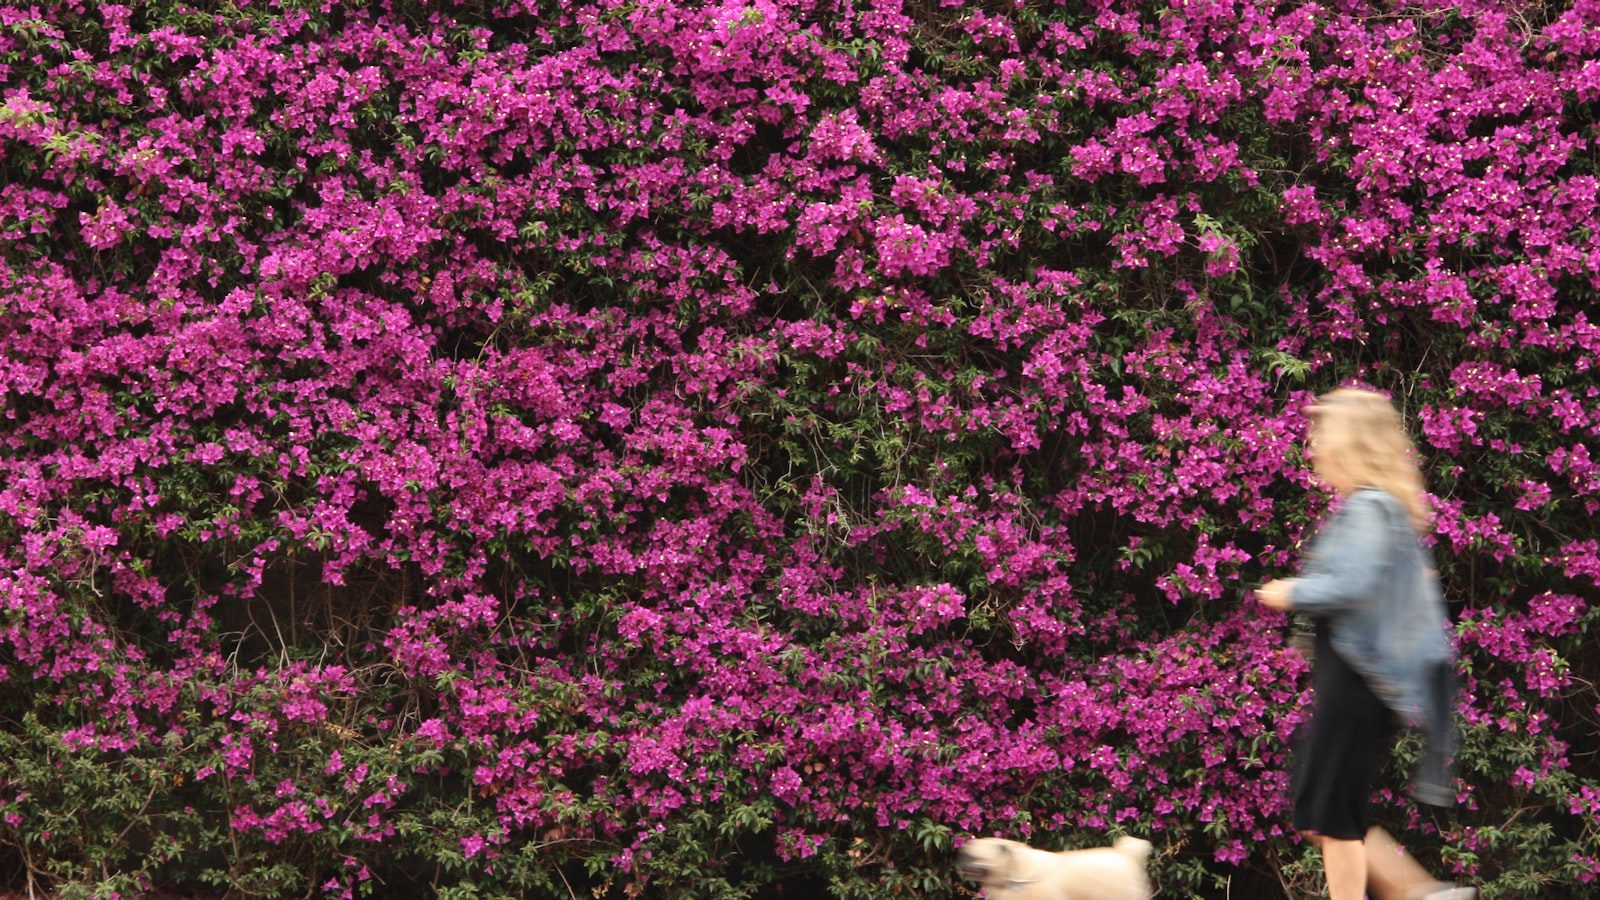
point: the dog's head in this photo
(986, 860)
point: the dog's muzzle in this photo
(970, 868)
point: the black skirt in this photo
(1341, 749)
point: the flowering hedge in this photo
(677, 449)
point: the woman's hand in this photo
(1276, 594)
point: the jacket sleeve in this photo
(1351, 566)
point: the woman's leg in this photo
(1392, 872)
(1345, 864)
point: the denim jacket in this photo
(1374, 584)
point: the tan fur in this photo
(1008, 870)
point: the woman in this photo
(1383, 656)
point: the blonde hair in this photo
(1358, 435)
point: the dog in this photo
(1007, 870)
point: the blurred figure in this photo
(1383, 656)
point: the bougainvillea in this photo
(661, 448)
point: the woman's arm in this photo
(1352, 563)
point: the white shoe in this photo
(1449, 892)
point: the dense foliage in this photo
(654, 448)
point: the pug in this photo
(1007, 870)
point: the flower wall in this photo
(679, 449)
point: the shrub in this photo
(726, 450)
